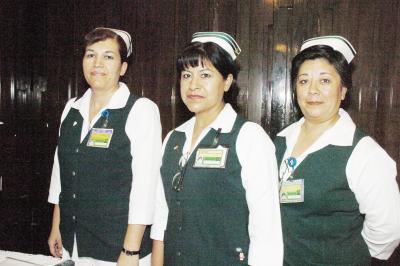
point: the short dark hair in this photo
(196, 53)
(102, 34)
(335, 58)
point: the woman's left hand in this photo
(125, 260)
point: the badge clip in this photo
(216, 139)
(105, 114)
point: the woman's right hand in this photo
(55, 243)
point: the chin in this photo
(193, 109)
(313, 115)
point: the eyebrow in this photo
(303, 74)
(91, 50)
(322, 73)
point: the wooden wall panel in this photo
(41, 56)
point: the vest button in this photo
(180, 228)
(178, 253)
(73, 196)
(73, 173)
(178, 203)
(77, 150)
(73, 217)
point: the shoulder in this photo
(144, 110)
(70, 102)
(367, 149)
(67, 108)
(253, 129)
(145, 104)
(252, 132)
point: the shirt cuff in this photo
(157, 233)
(53, 199)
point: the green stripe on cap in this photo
(222, 39)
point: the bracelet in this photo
(130, 252)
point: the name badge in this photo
(100, 137)
(211, 157)
(292, 191)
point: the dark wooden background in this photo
(40, 69)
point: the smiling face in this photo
(319, 90)
(102, 65)
(203, 88)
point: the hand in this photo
(125, 260)
(55, 243)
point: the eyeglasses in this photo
(177, 180)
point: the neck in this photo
(204, 119)
(311, 127)
(310, 132)
(100, 98)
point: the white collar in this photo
(341, 134)
(225, 120)
(118, 99)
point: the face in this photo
(203, 87)
(319, 90)
(102, 66)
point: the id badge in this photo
(100, 137)
(292, 191)
(211, 157)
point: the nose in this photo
(194, 83)
(314, 87)
(98, 61)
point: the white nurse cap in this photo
(126, 37)
(222, 39)
(338, 43)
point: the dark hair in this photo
(102, 34)
(196, 53)
(335, 58)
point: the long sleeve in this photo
(256, 154)
(144, 130)
(55, 181)
(372, 177)
(161, 208)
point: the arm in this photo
(256, 154)
(55, 182)
(160, 220)
(371, 175)
(157, 256)
(159, 226)
(54, 241)
(143, 128)
(132, 242)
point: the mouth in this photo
(194, 97)
(315, 103)
(97, 73)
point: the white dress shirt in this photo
(256, 154)
(371, 175)
(143, 128)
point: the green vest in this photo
(208, 219)
(95, 186)
(325, 229)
